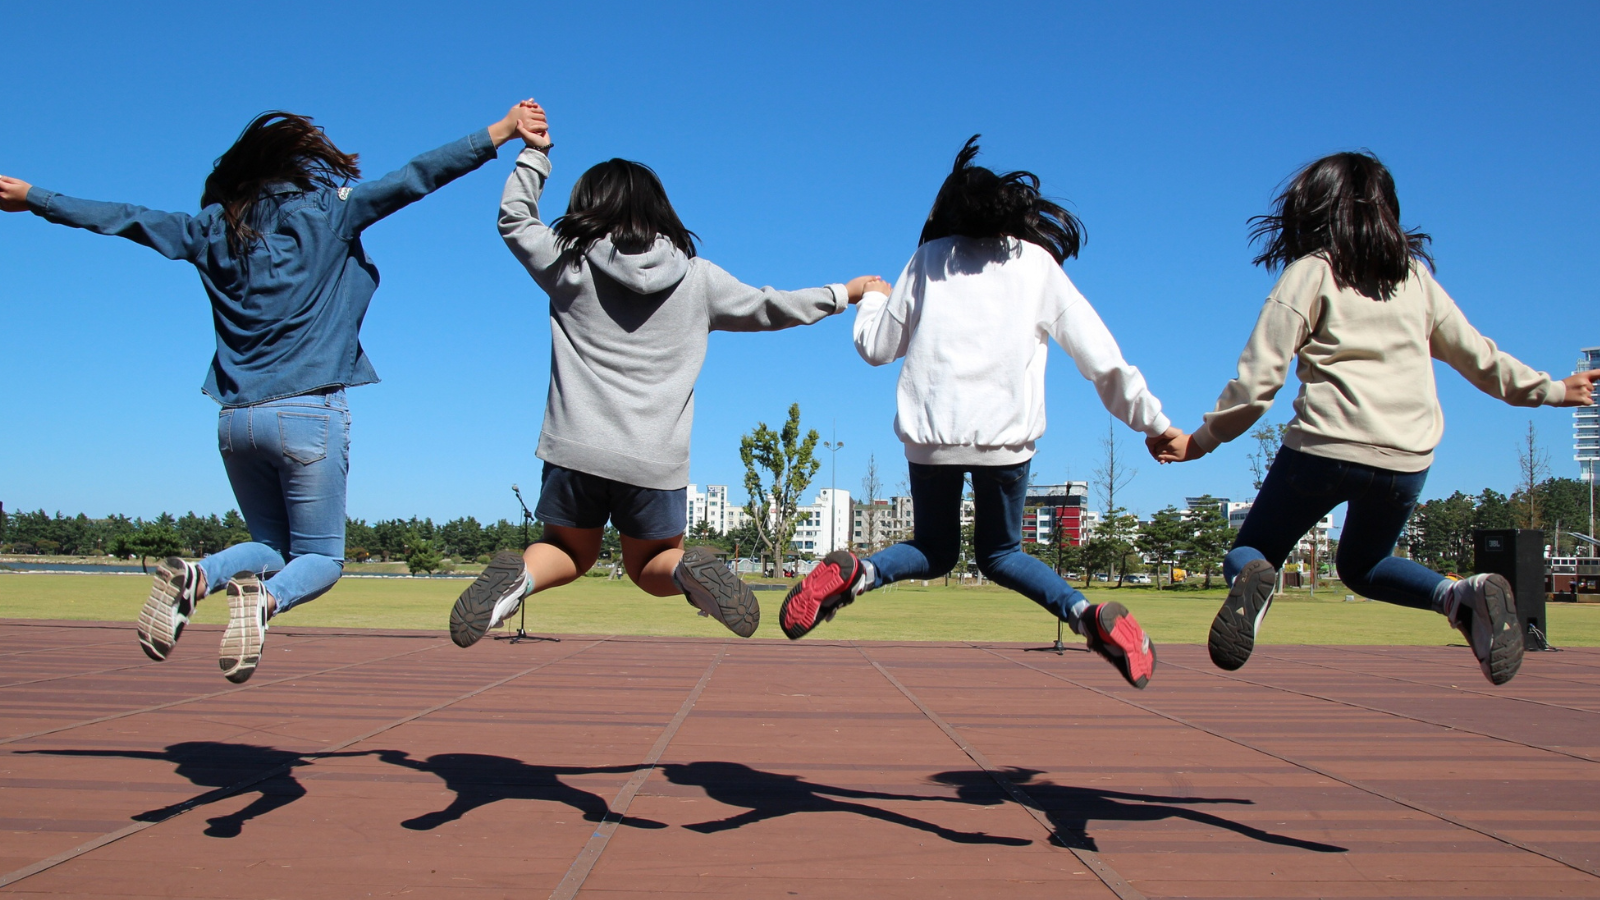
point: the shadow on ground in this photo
(1071, 809)
(768, 795)
(478, 780)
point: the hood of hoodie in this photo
(659, 268)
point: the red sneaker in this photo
(1115, 634)
(825, 589)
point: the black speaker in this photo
(1518, 554)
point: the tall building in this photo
(1053, 512)
(710, 506)
(825, 525)
(880, 523)
(1586, 424)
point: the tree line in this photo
(1439, 534)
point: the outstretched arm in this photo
(362, 205)
(736, 306)
(530, 239)
(173, 235)
(882, 331)
(1499, 374)
(1121, 386)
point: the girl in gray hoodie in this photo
(631, 307)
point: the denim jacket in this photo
(288, 317)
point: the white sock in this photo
(869, 577)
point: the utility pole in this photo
(833, 489)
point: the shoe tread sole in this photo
(1233, 631)
(469, 618)
(240, 651)
(723, 595)
(160, 624)
(805, 606)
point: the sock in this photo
(1443, 597)
(868, 579)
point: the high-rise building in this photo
(710, 506)
(1586, 424)
(1056, 512)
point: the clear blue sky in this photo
(804, 146)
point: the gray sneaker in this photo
(1233, 631)
(249, 608)
(713, 588)
(173, 596)
(1484, 609)
(490, 599)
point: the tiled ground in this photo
(382, 764)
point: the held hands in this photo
(533, 128)
(858, 287)
(1173, 445)
(14, 198)
(1580, 387)
(525, 119)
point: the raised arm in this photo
(530, 239)
(362, 205)
(1121, 386)
(173, 235)
(1499, 374)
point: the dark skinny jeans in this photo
(998, 494)
(1301, 488)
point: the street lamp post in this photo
(833, 493)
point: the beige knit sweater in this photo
(1367, 393)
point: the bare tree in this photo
(1533, 465)
(1114, 473)
(1268, 439)
(791, 462)
(871, 486)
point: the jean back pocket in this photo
(304, 436)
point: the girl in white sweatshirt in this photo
(1358, 305)
(972, 315)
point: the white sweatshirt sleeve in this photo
(1080, 331)
(881, 329)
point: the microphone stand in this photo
(522, 614)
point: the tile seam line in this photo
(1362, 649)
(141, 665)
(10, 653)
(1462, 690)
(1392, 798)
(582, 865)
(1385, 712)
(1102, 870)
(223, 793)
(222, 693)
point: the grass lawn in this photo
(906, 611)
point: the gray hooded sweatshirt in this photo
(628, 336)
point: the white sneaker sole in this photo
(240, 652)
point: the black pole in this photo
(522, 613)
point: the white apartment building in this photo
(881, 523)
(710, 506)
(825, 525)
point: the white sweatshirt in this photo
(972, 318)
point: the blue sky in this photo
(804, 145)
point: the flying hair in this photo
(1343, 207)
(624, 200)
(277, 147)
(977, 203)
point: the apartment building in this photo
(1053, 512)
(710, 506)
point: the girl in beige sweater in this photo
(1358, 306)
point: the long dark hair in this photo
(276, 147)
(975, 202)
(625, 200)
(1344, 207)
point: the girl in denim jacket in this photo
(277, 243)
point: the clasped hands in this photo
(1173, 445)
(527, 121)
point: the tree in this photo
(1440, 533)
(702, 534)
(1161, 538)
(1565, 504)
(158, 538)
(1268, 439)
(610, 543)
(1493, 511)
(1114, 473)
(778, 467)
(1533, 466)
(1119, 531)
(421, 555)
(870, 488)
(1210, 537)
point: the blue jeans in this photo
(1301, 488)
(287, 461)
(998, 493)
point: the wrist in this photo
(502, 131)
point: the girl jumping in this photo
(972, 315)
(1358, 305)
(631, 306)
(277, 243)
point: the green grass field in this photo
(902, 612)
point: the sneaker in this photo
(491, 599)
(1233, 631)
(832, 585)
(249, 608)
(173, 597)
(713, 588)
(1484, 609)
(1115, 634)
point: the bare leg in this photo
(562, 555)
(650, 564)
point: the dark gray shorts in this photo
(579, 500)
